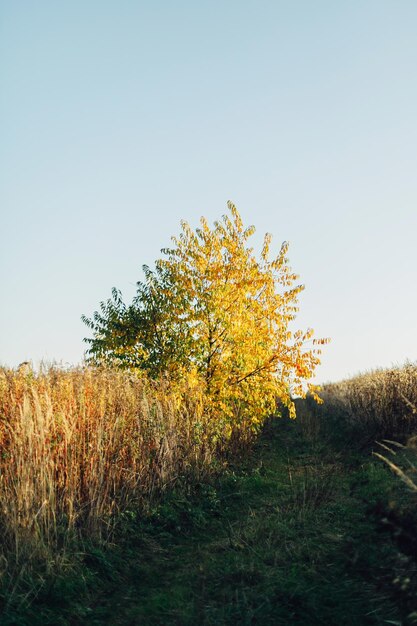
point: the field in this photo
(375, 404)
(122, 504)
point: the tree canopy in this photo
(212, 310)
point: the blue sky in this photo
(119, 119)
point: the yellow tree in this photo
(212, 309)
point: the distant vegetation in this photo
(377, 408)
(380, 403)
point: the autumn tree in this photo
(211, 309)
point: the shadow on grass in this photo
(290, 535)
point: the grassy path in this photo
(288, 538)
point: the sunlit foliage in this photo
(212, 310)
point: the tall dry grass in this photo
(78, 447)
(375, 404)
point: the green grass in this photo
(291, 535)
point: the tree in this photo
(211, 309)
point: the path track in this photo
(287, 538)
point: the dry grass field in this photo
(379, 403)
(89, 456)
(80, 447)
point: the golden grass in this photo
(77, 447)
(380, 402)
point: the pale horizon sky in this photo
(120, 119)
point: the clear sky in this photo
(120, 118)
